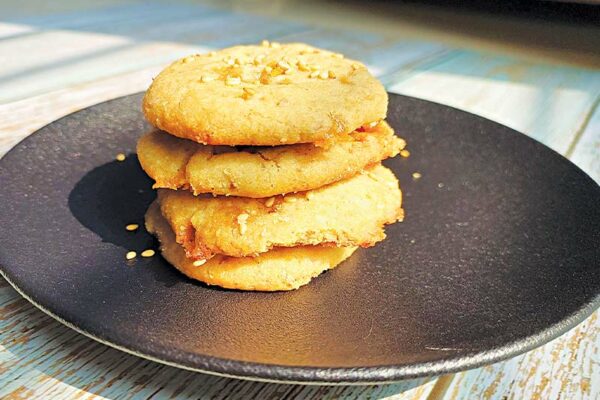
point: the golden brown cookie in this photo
(279, 269)
(351, 212)
(264, 95)
(261, 171)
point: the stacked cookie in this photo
(267, 161)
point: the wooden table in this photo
(541, 78)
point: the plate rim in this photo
(273, 373)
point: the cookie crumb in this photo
(120, 157)
(404, 153)
(199, 263)
(132, 227)
(416, 175)
(270, 201)
(148, 253)
(130, 255)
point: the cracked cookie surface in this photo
(262, 171)
(264, 95)
(351, 212)
(278, 269)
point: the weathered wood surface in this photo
(54, 63)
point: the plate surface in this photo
(498, 254)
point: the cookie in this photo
(262, 171)
(279, 269)
(351, 212)
(264, 95)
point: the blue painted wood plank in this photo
(546, 102)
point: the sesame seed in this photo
(269, 202)
(120, 157)
(283, 65)
(416, 175)
(331, 74)
(405, 153)
(233, 80)
(132, 227)
(373, 124)
(199, 263)
(148, 253)
(302, 66)
(314, 67)
(241, 220)
(130, 255)
(440, 185)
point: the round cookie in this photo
(262, 171)
(264, 95)
(351, 212)
(279, 269)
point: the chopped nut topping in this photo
(275, 45)
(331, 74)
(314, 74)
(323, 75)
(265, 43)
(207, 78)
(338, 55)
(404, 153)
(148, 253)
(132, 227)
(120, 157)
(130, 255)
(355, 66)
(199, 263)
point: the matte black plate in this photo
(498, 254)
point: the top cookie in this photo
(264, 95)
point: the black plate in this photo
(498, 254)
